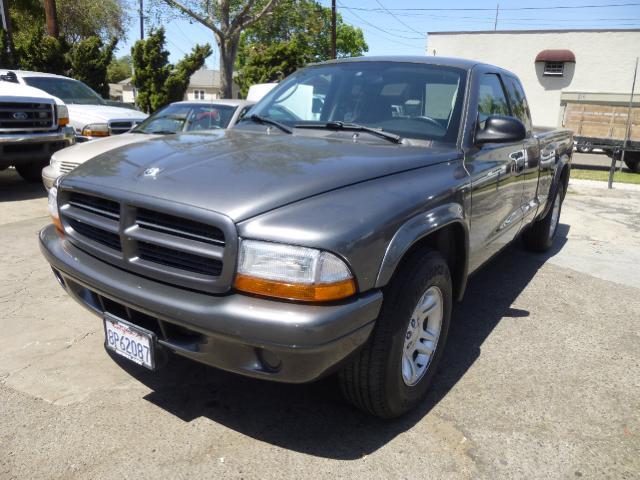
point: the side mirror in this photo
(501, 129)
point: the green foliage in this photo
(156, 80)
(82, 19)
(296, 33)
(119, 69)
(39, 52)
(89, 60)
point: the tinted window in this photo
(409, 99)
(69, 91)
(491, 99)
(519, 105)
(187, 117)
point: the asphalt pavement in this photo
(540, 378)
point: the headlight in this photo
(294, 273)
(53, 206)
(63, 115)
(96, 130)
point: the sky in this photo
(399, 27)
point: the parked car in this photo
(33, 125)
(188, 116)
(90, 115)
(306, 242)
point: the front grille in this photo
(181, 227)
(180, 260)
(19, 116)
(66, 167)
(97, 205)
(98, 235)
(168, 247)
(119, 127)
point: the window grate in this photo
(554, 68)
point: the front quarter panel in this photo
(358, 222)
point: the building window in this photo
(198, 94)
(554, 68)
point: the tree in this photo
(40, 52)
(89, 60)
(227, 19)
(119, 69)
(157, 81)
(81, 19)
(297, 32)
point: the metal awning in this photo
(556, 56)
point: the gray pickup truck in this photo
(330, 231)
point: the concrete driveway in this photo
(540, 379)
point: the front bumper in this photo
(256, 337)
(16, 148)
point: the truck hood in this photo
(23, 93)
(81, 152)
(242, 174)
(82, 115)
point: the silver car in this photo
(187, 116)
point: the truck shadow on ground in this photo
(13, 188)
(313, 419)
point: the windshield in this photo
(68, 90)
(412, 100)
(181, 117)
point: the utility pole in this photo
(627, 132)
(333, 29)
(6, 26)
(495, 24)
(141, 21)
(52, 17)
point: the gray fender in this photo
(417, 228)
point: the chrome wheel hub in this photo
(555, 215)
(421, 337)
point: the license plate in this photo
(130, 341)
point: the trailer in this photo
(604, 126)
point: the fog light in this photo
(269, 360)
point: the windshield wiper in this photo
(260, 119)
(354, 127)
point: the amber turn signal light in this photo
(304, 293)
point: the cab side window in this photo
(491, 99)
(519, 104)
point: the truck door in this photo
(529, 164)
(497, 186)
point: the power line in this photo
(399, 21)
(392, 35)
(557, 7)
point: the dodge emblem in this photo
(151, 172)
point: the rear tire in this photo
(376, 380)
(633, 162)
(540, 235)
(32, 172)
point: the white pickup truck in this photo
(90, 115)
(33, 125)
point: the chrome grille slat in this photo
(38, 116)
(186, 248)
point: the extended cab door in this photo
(529, 164)
(497, 179)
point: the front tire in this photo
(540, 235)
(32, 172)
(391, 374)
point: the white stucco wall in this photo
(605, 61)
